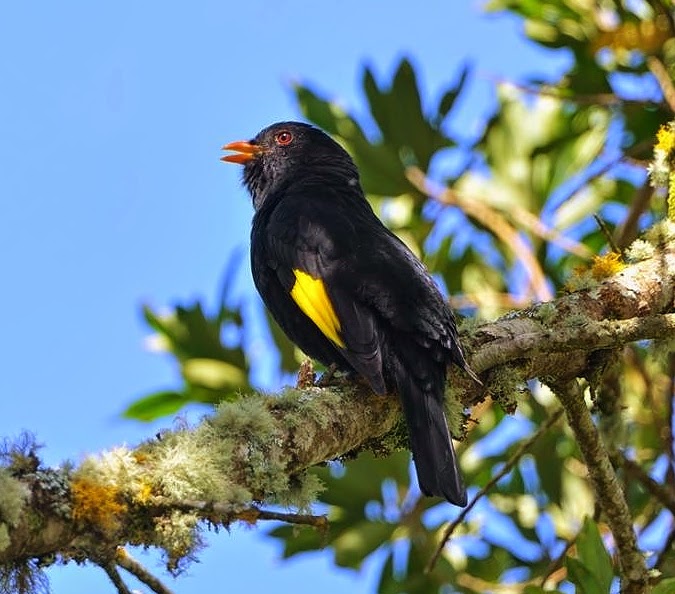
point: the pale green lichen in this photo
(5, 541)
(576, 320)
(455, 412)
(185, 467)
(507, 387)
(303, 491)
(251, 424)
(546, 312)
(640, 250)
(468, 325)
(581, 278)
(661, 233)
(13, 496)
(317, 405)
(118, 467)
(178, 535)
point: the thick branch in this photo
(258, 447)
(559, 338)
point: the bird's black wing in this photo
(315, 247)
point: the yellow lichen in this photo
(662, 168)
(144, 494)
(140, 457)
(97, 504)
(665, 139)
(607, 265)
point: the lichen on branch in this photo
(259, 448)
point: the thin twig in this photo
(656, 489)
(627, 231)
(605, 99)
(126, 561)
(512, 461)
(661, 75)
(608, 491)
(607, 233)
(303, 519)
(111, 570)
(493, 221)
(669, 438)
(537, 227)
(226, 512)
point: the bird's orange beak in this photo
(244, 152)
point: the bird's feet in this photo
(328, 377)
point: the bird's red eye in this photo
(283, 138)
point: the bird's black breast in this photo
(386, 301)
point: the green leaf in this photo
(448, 99)
(381, 171)
(583, 577)
(213, 374)
(666, 586)
(592, 569)
(354, 545)
(298, 539)
(189, 333)
(415, 137)
(154, 406)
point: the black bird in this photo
(346, 290)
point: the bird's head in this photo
(285, 153)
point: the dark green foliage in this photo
(591, 570)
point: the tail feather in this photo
(433, 453)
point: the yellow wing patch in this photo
(311, 297)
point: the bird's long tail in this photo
(433, 453)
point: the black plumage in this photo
(346, 290)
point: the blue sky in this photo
(112, 195)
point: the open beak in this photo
(244, 152)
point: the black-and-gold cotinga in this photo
(346, 290)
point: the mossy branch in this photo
(608, 493)
(258, 448)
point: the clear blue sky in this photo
(112, 195)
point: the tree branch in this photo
(608, 491)
(126, 561)
(660, 73)
(258, 448)
(660, 492)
